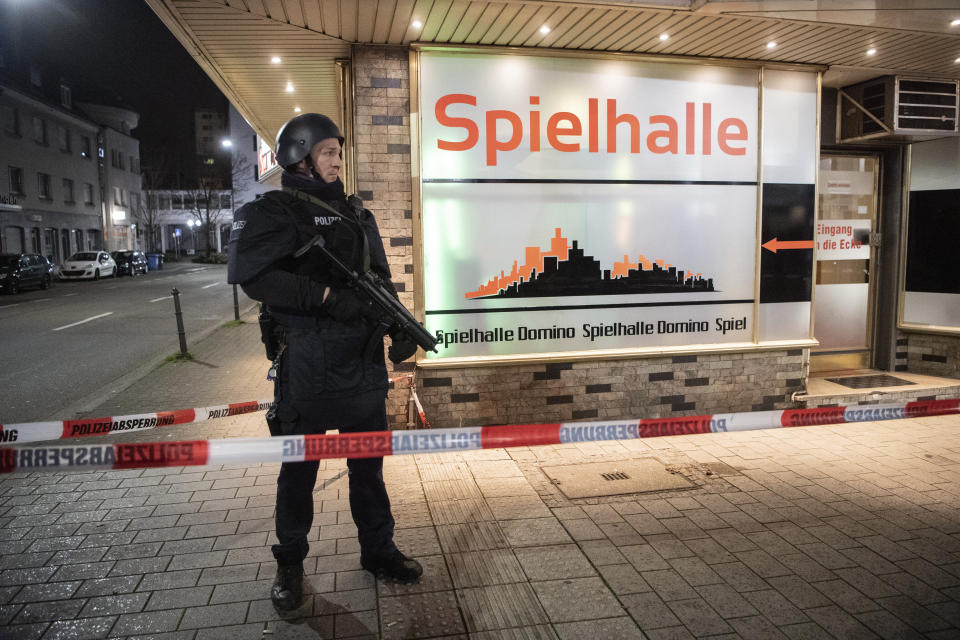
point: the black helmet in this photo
(297, 137)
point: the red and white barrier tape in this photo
(420, 411)
(39, 431)
(57, 430)
(384, 443)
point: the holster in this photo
(271, 333)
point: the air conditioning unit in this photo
(894, 108)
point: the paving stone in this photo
(917, 616)
(214, 615)
(846, 596)
(554, 562)
(623, 579)
(146, 623)
(799, 592)
(108, 586)
(115, 604)
(338, 601)
(435, 578)
(24, 631)
(46, 591)
(76, 556)
(84, 629)
(670, 633)
(840, 623)
(762, 563)
(538, 632)
(169, 580)
(416, 542)
(230, 573)
(608, 628)
(129, 551)
(699, 617)
(420, 615)
(83, 571)
(602, 552)
(483, 568)
(759, 627)
(252, 631)
(534, 532)
(500, 606)
(649, 611)
(644, 557)
(726, 601)
(46, 611)
(577, 599)
(775, 607)
(887, 626)
(177, 598)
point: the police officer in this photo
(325, 380)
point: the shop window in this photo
(117, 196)
(43, 186)
(188, 201)
(35, 245)
(11, 120)
(68, 191)
(40, 131)
(87, 193)
(16, 181)
(63, 137)
(164, 202)
(225, 201)
(13, 240)
(177, 201)
(93, 239)
(76, 236)
(50, 243)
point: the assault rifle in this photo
(370, 287)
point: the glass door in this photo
(843, 293)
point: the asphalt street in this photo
(78, 337)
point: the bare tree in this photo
(149, 214)
(209, 208)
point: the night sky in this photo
(120, 52)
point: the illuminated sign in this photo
(589, 204)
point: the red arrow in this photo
(773, 245)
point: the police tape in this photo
(420, 411)
(60, 429)
(385, 443)
(40, 431)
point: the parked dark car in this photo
(130, 263)
(18, 270)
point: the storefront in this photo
(651, 230)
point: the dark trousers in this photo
(369, 502)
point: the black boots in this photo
(287, 591)
(395, 566)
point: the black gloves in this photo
(402, 348)
(346, 306)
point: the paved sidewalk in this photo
(845, 531)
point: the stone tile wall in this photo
(928, 354)
(639, 387)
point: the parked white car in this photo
(88, 264)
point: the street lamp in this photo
(226, 143)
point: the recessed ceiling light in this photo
(296, 109)
(276, 60)
(771, 45)
(664, 37)
(289, 87)
(416, 24)
(955, 22)
(957, 60)
(544, 29)
(871, 52)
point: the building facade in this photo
(634, 211)
(181, 216)
(52, 202)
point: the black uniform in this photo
(323, 379)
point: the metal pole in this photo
(236, 304)
(179, 314)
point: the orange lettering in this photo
(493, 144)
(554, 130)
(671, 134)
(724, 135)
(473, 133)
(613, 120)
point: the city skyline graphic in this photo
(564, 270)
